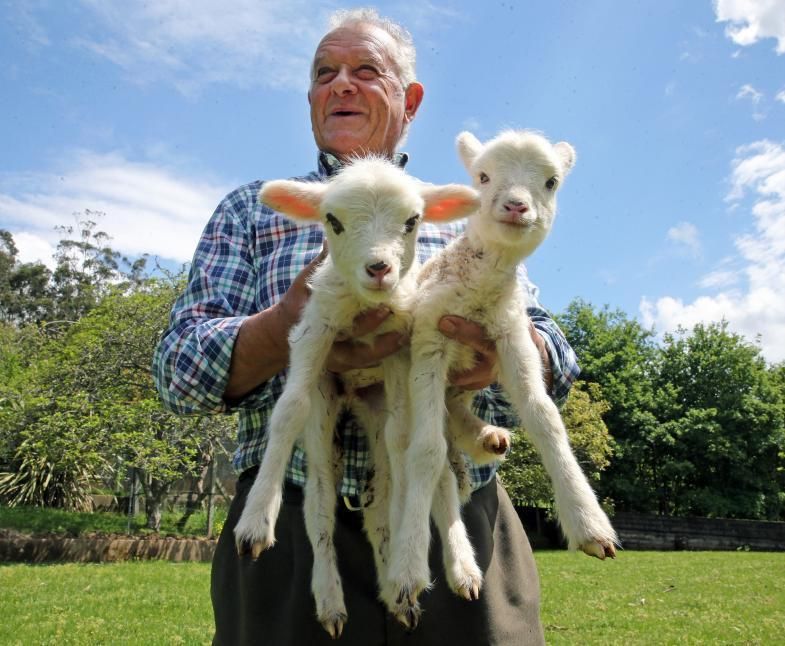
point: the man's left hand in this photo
(485, 370)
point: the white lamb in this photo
(517, 174)
(370, 212)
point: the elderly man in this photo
(226, 349)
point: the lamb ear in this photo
(297, 200)
(469, 147)
(566, 154)
(449, 202)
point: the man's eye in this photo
(484, 179)
(411, 223)
(324, 74)
(366, 73)
(551, 183)
(335, 223)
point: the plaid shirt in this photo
(246, 259)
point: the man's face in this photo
(358, 105)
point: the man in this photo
(226, 349)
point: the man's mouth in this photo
(344, 113)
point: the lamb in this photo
(370, 212)
(517, 174)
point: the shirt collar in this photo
(329, 164)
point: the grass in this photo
(40, 520)
(143, 602)
(664, 598)
(641, 598)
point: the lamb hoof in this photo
(497, 442)
(468, 586)
(407, 610)
(409, 617)
(600, 550)
(470, 593)
(252, 542)
(255, 549)
(334, 624)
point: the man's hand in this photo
(289, 309)
(348, 354)
(262, 346)
(485, 370)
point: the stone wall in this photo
(20, 548)
(649, 532)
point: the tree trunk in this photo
(197, 494)
(155, 495)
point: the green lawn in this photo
(664, 598)
(641, 598)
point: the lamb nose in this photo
(377, 270)
(515, 205)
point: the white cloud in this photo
(753, 20)
(747, 91)
(25, 22)
(721, 278)
(33, 248)
(750, 93)
(149, 208)
(686, 236)
(780, 96)
(193, 43)
(751, 298)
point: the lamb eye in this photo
(551, 183)
(411, 223)
(484, 179)
(335, 223)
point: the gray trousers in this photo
(269, 602)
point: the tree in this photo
(108, 354)
(619, 355)
(522, 472)
(727, 426)
(697, 421)
(58, 456)
(90, 409)
(24, 287)
(88, 268)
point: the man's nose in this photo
(343, 83)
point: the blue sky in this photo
(675, 211)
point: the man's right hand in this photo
(348, 354)
(262, 347)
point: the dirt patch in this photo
(101, 548)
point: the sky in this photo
(150, 112)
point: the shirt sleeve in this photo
(191, 362)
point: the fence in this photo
(649, 532)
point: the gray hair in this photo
(404, 56)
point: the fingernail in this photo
(447, 327)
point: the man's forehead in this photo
(364, 42)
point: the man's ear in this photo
(566, 154)
(449, 202)
(412, 100)
(469, 148)
(297, 200)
